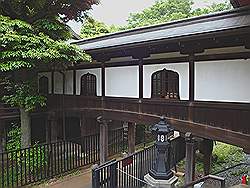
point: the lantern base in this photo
(161, 176)
(159, 183)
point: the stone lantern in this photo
(161, 173)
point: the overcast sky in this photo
(117, 11)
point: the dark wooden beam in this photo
(103, 79)
(191, 77)
(74, 81)
(2, 136)
(52, 82)
(197, 58)
(141, 78)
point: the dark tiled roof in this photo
(234, 19)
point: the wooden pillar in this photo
(74, 81)
(52, 82)
(82, 125)
(25, 128)
(191, 77)
(207, 149)
(103, 79)
(47, 130)
(63, 110)
(103, 139)
(190, 158)
(2, 136)
(141, 78)
(131, 137)
(53, 127)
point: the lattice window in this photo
(165, 84)
(88, 85)
(44, 85)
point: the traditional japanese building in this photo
(193, 71)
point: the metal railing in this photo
(127, 172)
(212, 177)
(130, 171)
(33, 164)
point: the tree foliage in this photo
(168, 10)
(33, 10)
(161, 12)
(92, 28)
(24, 48)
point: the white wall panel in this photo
(96, 72)
(69, 82)
(122, 81)
(58, 83)
(180, 68)
(227, 80)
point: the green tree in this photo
(92, 28)
(47, 16)
(33, 10)
(24, 50)
(161, 12)
(212, 8)
(168, 10)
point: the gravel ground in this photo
(232, 176)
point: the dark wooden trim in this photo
(141, 78)
(87, 66)
(191, 77)
(74, 81)
(124, 63)
(52, 82)
(103, 79)
(197, 58)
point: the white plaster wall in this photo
(69, 82)
(227, 80)
(96, 72)
(48, 75)
(180, 68)
(58, 83)
(122, 81)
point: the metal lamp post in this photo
(161, 168)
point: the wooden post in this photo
(141, 78)
(74, 81)
(47, 130)
(191, 77)
(2, 136)
(131, 138)
(207, 147)
(63, 110)
(103, 139)
(53, 127)
(82, 125)
(25, 128)
(103, 79)
(190, 158)
(52, 82)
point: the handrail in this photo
(222, 181)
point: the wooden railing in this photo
(7, 112)
(225, 115)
